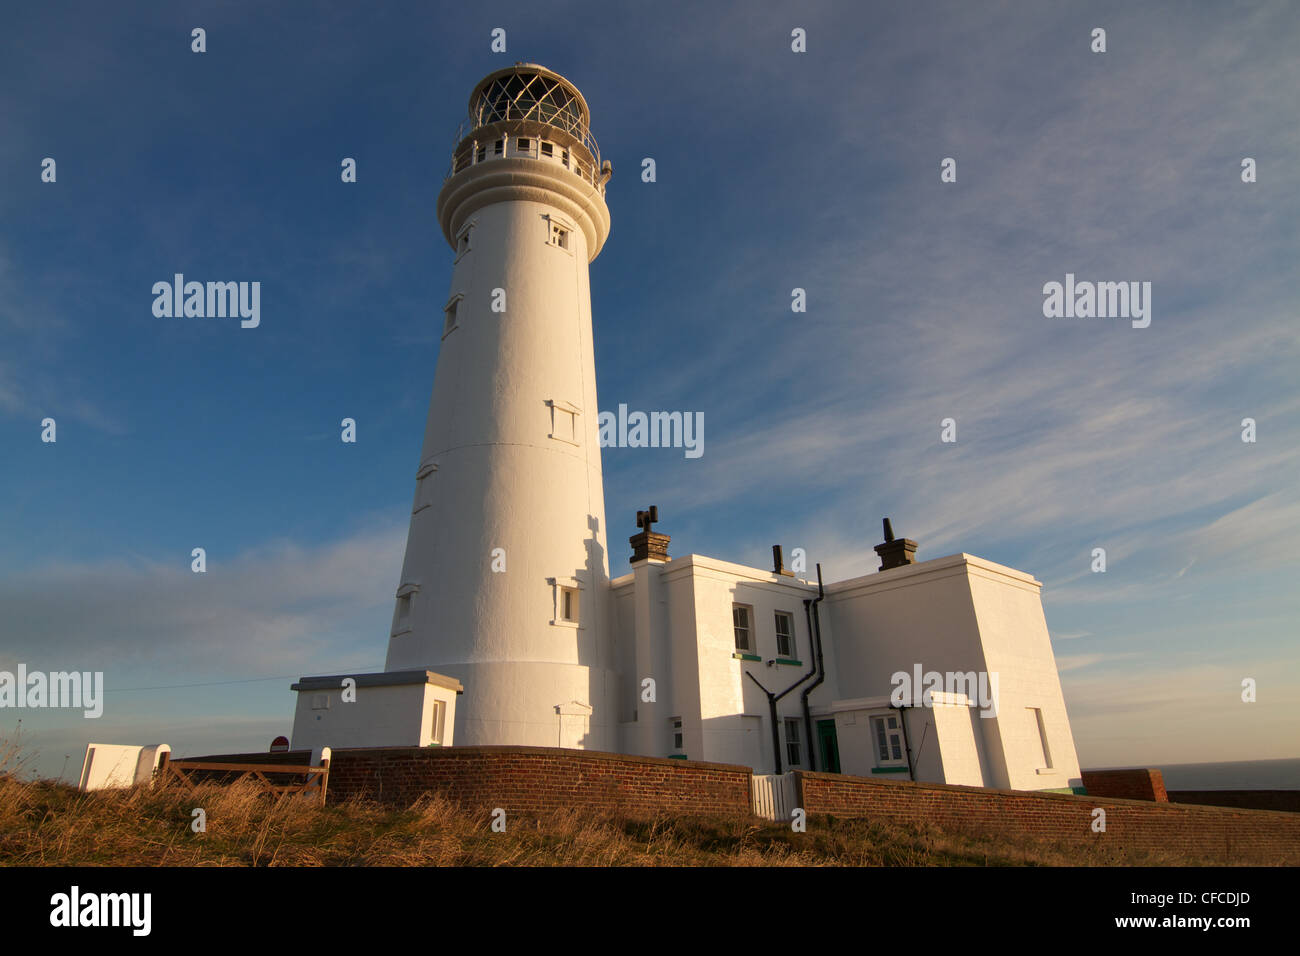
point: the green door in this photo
(830, 749)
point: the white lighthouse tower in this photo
(505, 582)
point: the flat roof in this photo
(381, 679)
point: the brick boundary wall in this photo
(1215, 833)
(1135, 784)
(538, 779)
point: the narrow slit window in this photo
(1036, 715)
(424, 486)
(569, 605)
(451, 315)
(567, 595)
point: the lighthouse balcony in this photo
(536, 141)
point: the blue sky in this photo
(775, 170)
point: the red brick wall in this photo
(1219, 834)
(522, 779)
(1126, 784)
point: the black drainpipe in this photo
(902, 719)
(821, 670)
(776, 731)
(773, 698)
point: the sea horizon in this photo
(1279, 774)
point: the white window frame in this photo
(750, 638)
(793, 740)
(451, 314)
(437, 722)
(564, 421)
(320, 701)
(790, 652)
(558, 586)
(424, 486)
(893, 736)
(564, 241)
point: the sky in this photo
(775, 170)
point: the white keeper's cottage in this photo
(507, 628)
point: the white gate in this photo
(773, 795)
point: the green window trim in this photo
(889, 770)
(678, 757)
(746, 657)
(787, 660)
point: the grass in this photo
(43, 823)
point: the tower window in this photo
(424, 486)
(482, 154)
(564, 158)
(523, 144)
(451, 312)
(548, 149)
(567, 593)
(463, 239)
(499, 146)
(564, 421)
(559, 235)
(741, 620)
(402, 615)
(785, 634)
(675, 730)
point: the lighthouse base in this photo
(534, 704)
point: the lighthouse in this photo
(505, 581)
(506, 627)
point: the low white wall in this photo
(119, 765)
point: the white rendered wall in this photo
(681, 612)
(1016, 645)
(502, 481)
(960, 613)
(385, 716)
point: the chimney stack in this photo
(895, 552)
(647, 544)
(778, 562)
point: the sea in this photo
(1234, 775)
